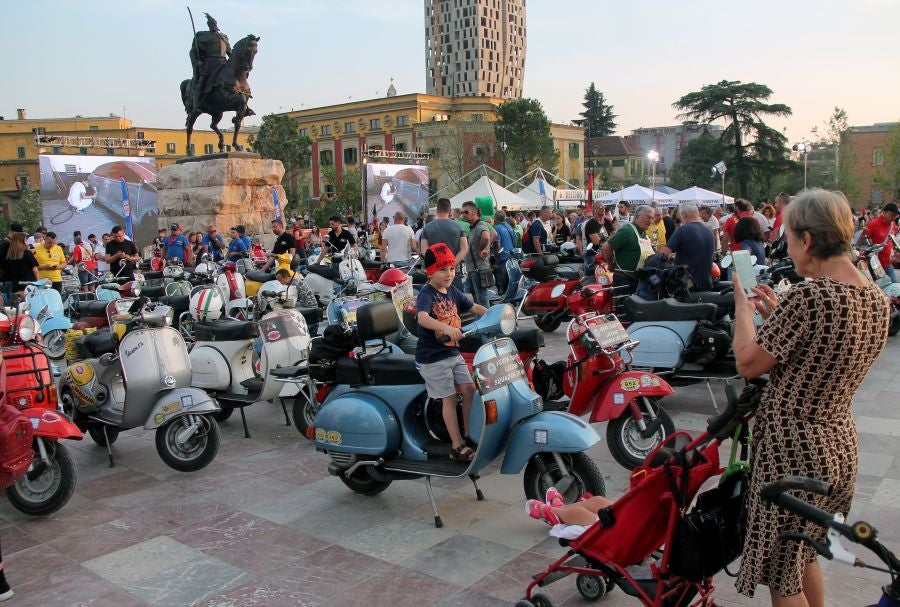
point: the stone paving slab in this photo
(265, 525)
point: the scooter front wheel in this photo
(55, 344)
(197, 451)
(627, 445)
(546, 324)
(543, 472)
(51, 489)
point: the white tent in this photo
(638, 194)
(532, 193)
(486, 187)
(702, 196)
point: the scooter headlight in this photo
(170, 316)
(136, 288)
(508, 320)
(27, 328)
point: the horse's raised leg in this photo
(214, 125)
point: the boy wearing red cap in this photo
(440, 363)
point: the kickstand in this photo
(713, 396)
(437, 517)
(287, 420)
(112, 464)
(244, 421)
(478, 494)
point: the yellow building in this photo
(22, 140)
(457, 132)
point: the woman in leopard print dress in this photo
(817, 344)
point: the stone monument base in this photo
(225, 190)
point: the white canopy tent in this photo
(638, 194)
(487, 187)
(702, 197)
(532, 193)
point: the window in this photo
(93, 127)
(303, 132)
(476, 117)
(400, 147)
(39, 131)
(349, 127)
(170, 148)
(618, 162)
(326, 158)
(351, 155)
(574, 150)
(57, 149)
(140, 134)
(375, 123)
(877, 157)
(326, 130)
(82, 151)
(20, 152)
(110, 152)
(227, 148)
(208, 148)
(402, 120)
(191, 150)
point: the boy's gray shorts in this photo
(442, 377)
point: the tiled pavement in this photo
(264, 524)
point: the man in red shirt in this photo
(878, 231)
(781, 201)
(742, 208)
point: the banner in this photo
(277, 204)
(589, 203)
(542, 191)
(126, 209)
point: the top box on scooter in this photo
(541, 268)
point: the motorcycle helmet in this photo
(716, 272)
(5, 324)
(568, 248)
(390, 279)
(207, 305)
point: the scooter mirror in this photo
(753, 260)
(726, 262)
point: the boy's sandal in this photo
(463, 453)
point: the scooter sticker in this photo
(328, 436)
(171, 408)
(320, 434)
(280, 326)
(498, 372)
(159, 418)
(630, 384)
(618, 398)
(541, 437)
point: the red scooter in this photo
(556, 297)
(599, 382)
(26, 383)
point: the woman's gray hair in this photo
(644, 208)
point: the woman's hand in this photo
(764, 302)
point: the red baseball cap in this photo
(438, 256)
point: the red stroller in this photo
(646, 542)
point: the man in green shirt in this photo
(627, 248)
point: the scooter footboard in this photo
(180, 401)
(547, 432)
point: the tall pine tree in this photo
(598, 119)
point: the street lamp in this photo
(719, 169)
(804, 148)
(503, 147)
(653, 156)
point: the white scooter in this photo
(321, 277)
(223, 354)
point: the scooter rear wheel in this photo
(194, 454)
(304, 414)
(362, 482)
(104, 440)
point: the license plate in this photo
(607, 331)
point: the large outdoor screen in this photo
(396, 187)
(85, 193)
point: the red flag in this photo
(590, 192)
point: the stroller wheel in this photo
(591, 587)
(541, 600)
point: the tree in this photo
(347, 197)
(694, 166)
(598, 119)
(889, 174)
(525, 128)
(30, 209)
(279, 138)
(836, 142)
(742, 106)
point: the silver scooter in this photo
(141, 376)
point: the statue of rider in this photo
(209, 53)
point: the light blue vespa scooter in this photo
(378, 425)
(45, 304)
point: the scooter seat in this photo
(259, 276)
(570, 259)
(394, 369)
(153, 291)
(527, 339)
(669, 309)
(370, 265)
(97, 343)
(543, 268)
(94, 309)
(288, 372)
(178, 303)
(567, 272)
(312, 316)
(153, 275)
(418, 277)
(714, 297)
(226, 329)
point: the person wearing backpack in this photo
(83, 259)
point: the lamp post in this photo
(653, 156)
(719, 169)
(804, 148)
(503, 147)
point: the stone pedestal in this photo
(221, 191)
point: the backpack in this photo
(527, 243)
(15, 445)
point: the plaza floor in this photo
(265, 524)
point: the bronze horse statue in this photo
(229, 92)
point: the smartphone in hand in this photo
(743, 265)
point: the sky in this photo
(89, 57)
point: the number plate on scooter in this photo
(499, 371)
(607, 331)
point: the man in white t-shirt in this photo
(398, 242)
(78, 196)
(100, 255)
(713, 224)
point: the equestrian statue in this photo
(219, 81)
